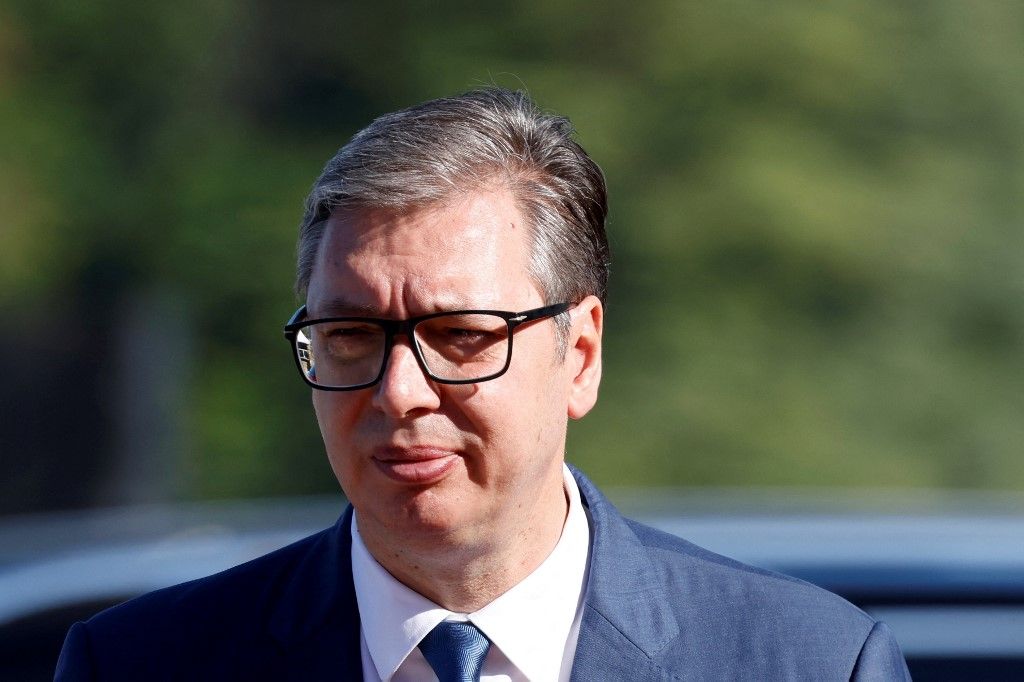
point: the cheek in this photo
(551, 406)
(322, 409)
(528, 418)
(333, 414)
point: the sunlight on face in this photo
(423, 461)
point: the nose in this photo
(404, 388)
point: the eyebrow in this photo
(342, 307)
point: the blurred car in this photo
(948, 578)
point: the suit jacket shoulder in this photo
(658, 607)
(287, 615)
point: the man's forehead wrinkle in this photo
(339, 306)
(467, 253)
(395, 286)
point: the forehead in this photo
(472, 251)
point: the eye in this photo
(353, 330)
(347, 340)
(462, 330)
(464, 334)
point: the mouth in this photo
(419, 465)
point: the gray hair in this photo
(434, 151)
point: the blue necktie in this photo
(455, 651)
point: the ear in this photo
(583, 356)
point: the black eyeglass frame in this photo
(406, 327)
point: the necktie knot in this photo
(456, 651)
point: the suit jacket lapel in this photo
(315, 620)
(626, 620)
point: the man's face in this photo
(424, 461)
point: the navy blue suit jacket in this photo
(656, 608)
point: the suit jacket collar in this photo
(316, 618)
(626, 618)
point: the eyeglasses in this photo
(454, 347)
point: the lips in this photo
(420, 465)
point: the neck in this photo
(464, 576)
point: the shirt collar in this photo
(394, 618)
(529, 623)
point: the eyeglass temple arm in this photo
(540, 313)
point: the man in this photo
(454, 263)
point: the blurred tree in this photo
(815, 216)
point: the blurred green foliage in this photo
(815, 214)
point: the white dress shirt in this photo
(533, 627)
